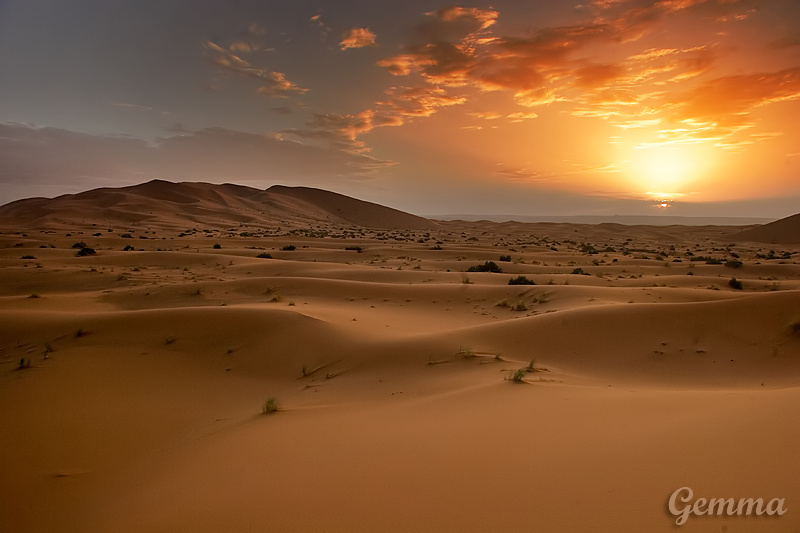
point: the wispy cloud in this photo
(274, 83)
(357, 38)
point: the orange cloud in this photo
(275, 83)
(357, 38)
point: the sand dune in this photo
(783, 231)
(177, 206)
(643, 367)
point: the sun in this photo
(664, 169)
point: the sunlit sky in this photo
(510, 107)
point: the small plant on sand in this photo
(357, 249)
(794, 326)
(506, 258)
(466, 353)
(466, 281)
(48, 349)
(488, 266)
(264, 255)
(23, 363)
(520, 306)
(85, 251)
(521, 280)
(289, 248)
(81, 333)
(128, 248)
(735, 284)
(217, 246)
(270, 406)
(79, 244)
(518, 376)
(531, 366)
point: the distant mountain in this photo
(783, 231)
(168, 205)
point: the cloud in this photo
(275, 84)
(50, 156)
(357, 38)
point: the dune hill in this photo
(168, 205)
(783, 231)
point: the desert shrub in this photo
(579, 271)
(270, 406)
(521, 280)
(264, 255)
(79, 244)
(358, 249)
(289, 248)
(735, 284)
(733, 263)
(85, 251)
(518, 376)
(126, 236)
(520, 306)
(28, 257)
(488, 266)
(217, 246)
(794, 326)
(128, 248)
(506, 258)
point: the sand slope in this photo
(643, 369)
(783, 231)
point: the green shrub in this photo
(270, 406)
(488, 266)
(521, 280)
(518, 376)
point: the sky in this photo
(679, 107)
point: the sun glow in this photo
(667, 171)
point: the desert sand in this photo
(640, 368)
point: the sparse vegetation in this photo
(128, 248)
(217, 246)
(289, 248)
(518, 376)
(270, 406)
(520, 306)
(735, 284)
(357, 249)
(79, 244)
(488, 266)
(734, 263)
(28, 257)
(521, 280)
(264, 255)
(506, 258)
(85, 251)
